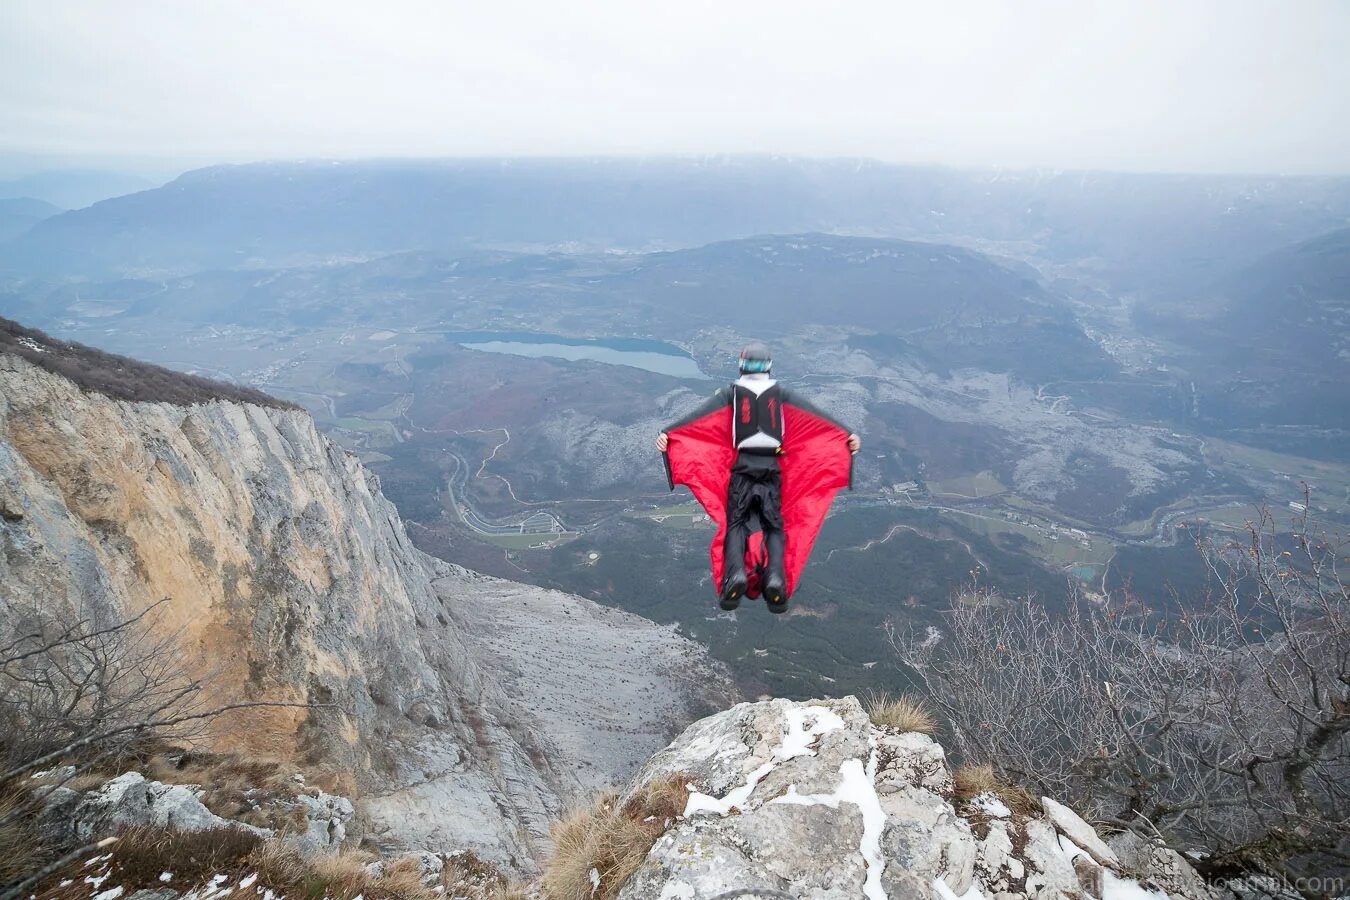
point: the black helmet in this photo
(755, 358)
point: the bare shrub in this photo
(83, 694)
(596, 849)
(903, 713)
(1217, 726)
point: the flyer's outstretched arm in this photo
(698, 453)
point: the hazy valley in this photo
(1037, 411)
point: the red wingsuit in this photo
(815, 463)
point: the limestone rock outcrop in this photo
(288, 577)
(811, 800)
(129, 801)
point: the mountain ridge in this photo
(1146, 231)
(18, 214)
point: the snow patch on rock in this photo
(856, 786)
(797, 742)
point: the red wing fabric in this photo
(700, 455)
(816, 465)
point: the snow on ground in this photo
(797, 742)
(1116, 888)
(1113, 886)
(799, 737)
(989, 804)
(946, 893)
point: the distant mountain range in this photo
(1300, 294)
(18, 214)
(74, 188)
(1133, 232)
(944, 306)
(952, 306)
(1269, 344)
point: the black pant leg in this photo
(739, 511)
(775, 544)
(771, 519)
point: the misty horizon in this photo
(1249, 88)
(156, 174)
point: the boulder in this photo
(1072, 826)
(326, 818)
(811, 800)
(130, 800)
(1166, 868)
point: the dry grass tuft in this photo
(230, 855)
(971, 781)
(141, 854)
(344, 877)
(278, 866)
(903, 713)
(286, 872)
(87, 781)
(21, 847)
(467, 876)
(663, 799)
(610, 842)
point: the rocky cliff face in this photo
(288, 576)
(810, 800)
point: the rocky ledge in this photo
(811, 800)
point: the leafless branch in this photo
(1221, 725)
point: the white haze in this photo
(1147, 86)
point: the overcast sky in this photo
(1233, 85)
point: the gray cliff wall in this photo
(288, 576)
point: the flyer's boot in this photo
(734, 580)
(775, 583)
